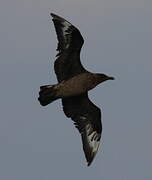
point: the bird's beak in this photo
(111, 78)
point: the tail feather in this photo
(47, 94)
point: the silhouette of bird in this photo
(74, 82)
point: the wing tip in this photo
(89, 163)
(91, 144)
(90, 159)
(56, 17)
(52, 14)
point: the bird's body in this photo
(74, 82)
(76, 85)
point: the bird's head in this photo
(103, 77)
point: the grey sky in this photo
(40, 143)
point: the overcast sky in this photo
(40, 143)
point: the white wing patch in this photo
(93, 138)
(65, 29)
(66, 26)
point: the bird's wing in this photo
(87, 118)
(69, 46)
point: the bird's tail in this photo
(47, 94)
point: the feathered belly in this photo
(76, 85)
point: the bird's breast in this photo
(76, 85)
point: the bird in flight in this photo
(74, 82)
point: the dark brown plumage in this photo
(74, 83)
